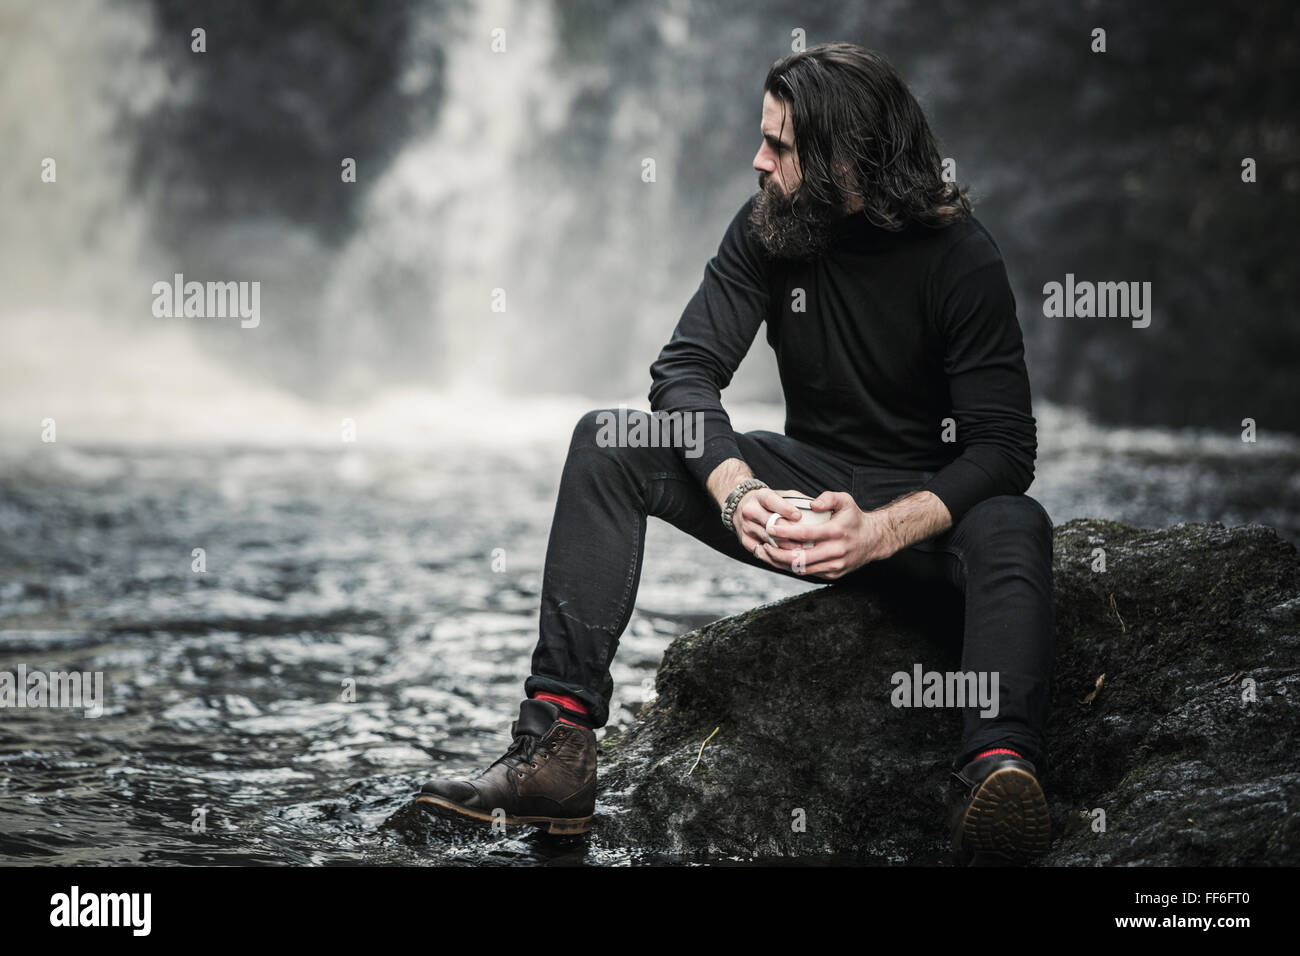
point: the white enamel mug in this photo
(806, 513)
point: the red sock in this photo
(565, 703)
(999, 750)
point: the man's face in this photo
(776, 158)
(783, 219)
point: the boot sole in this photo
(1007, 820)
(560, 826)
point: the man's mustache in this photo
(765, 184)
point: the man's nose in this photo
(763, 160)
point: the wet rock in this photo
(1185, 755)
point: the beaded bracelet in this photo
(733, 499)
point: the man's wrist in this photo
(913, 517)
(734, 499)
(729, 473)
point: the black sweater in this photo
(900, 330)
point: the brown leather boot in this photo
(998, 814)
(546, 777)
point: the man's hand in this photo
(751, 517)
(853, 537)
(753, 510)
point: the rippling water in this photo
(225, 689)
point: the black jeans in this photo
(999, 555)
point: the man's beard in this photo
(790, 227)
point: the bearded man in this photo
(908, 417)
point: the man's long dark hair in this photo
(859, 131)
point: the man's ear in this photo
(843, 172)
(847, 181)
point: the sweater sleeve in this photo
(714, 333)
(987, 382)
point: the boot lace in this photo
(520, 751)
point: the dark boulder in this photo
(1187, 769)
